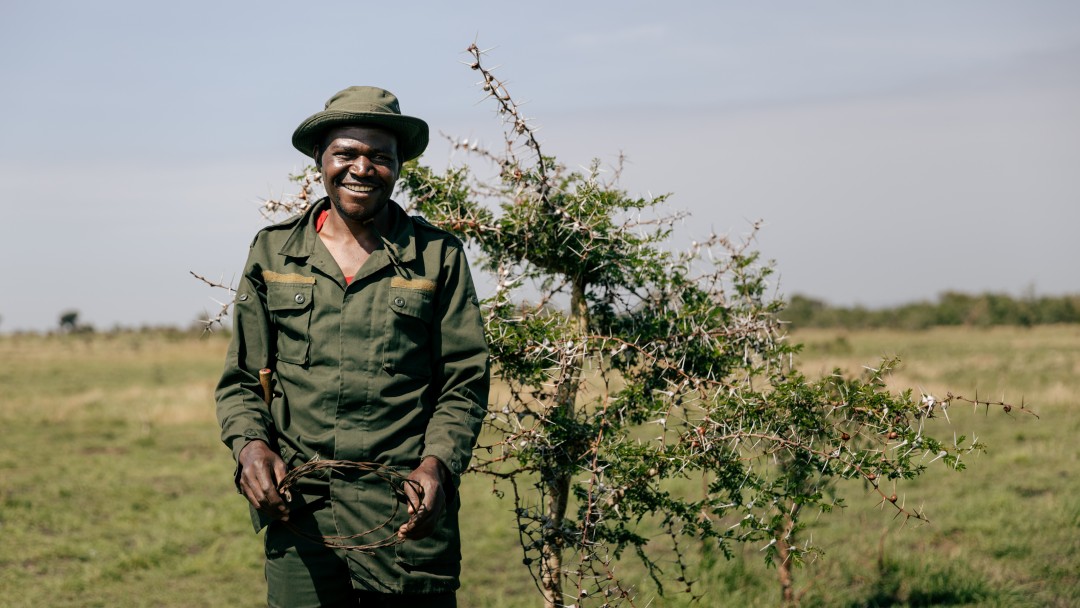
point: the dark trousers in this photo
(302, 574)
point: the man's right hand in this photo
(260, 471)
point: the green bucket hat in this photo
(370, 106)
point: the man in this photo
(369, 320)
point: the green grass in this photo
(114, 489)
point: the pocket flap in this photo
(288, 296)
(411, 302)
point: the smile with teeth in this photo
(359, 188)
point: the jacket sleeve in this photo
(461, 375)
(241, 411)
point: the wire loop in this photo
(394, 480)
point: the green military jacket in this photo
(390, 368)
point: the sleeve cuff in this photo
(238, 444)
(450, 487)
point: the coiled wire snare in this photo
(396, 482)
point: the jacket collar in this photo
(399, 242)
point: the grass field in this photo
(114, 490)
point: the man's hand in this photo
(431, 475)
(260, 471)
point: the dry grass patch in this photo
(116, 491)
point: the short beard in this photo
(364, 219)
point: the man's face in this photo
(359, 168)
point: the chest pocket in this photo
(411, 312)
(290, 306)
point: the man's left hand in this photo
(424, 512)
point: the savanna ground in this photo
(114, 489)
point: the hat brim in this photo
(412, 133)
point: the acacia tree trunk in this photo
(784, 560)
(556, 478)
(558, 488)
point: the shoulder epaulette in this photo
(287, 223)
(423, 223)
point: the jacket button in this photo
(243, 297)
(399, 301)
(299, 298)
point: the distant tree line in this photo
(951, 308)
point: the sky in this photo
(893, 151)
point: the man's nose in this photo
(362, 165)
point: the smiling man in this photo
(370, 322)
